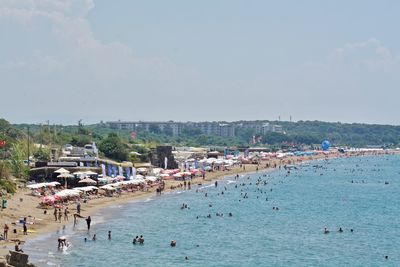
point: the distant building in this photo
(224, 129)
(206, 128)
(174, 127)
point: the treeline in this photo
(301, 132)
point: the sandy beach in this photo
(23, 204)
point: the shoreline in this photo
(45, 224)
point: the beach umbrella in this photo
(90, 173)
(151, 178)
(62, 170)
(87, 181)
(141, 170)
(53, 183)
(65, 176)
(86, 188)
(107, 187)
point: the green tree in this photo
(80, 140)
(113, 147)
(42, 154)
(17, 158)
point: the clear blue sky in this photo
(65, 60)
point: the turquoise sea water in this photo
(312, 197)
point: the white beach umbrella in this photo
(61, 170)
(65, 176)
(151, 178)
(87, 181)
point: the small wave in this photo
(148, 199)
(231, 182)
(211, 185)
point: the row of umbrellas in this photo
(63, 173)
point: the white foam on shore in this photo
(206, 186)
(231, 182)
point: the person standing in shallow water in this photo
(88, 222)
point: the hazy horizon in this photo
(199, 61)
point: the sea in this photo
(277, 219)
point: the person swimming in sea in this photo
(135, 240)
(141, 240)
(326, 231)
(62, 241)
(173, 243)
(340, 230)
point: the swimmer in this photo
(326, 231)
(173, 243)
(135, 240)
(109, 235)
(230, 214)
(340, 230)
(141, 240)
(94, 237)
(62, 241)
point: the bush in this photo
(7, 185)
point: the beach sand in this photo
(23, 204)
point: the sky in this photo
(66, 60)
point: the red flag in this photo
(133, 135)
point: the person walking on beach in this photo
(88, 222)
(66, 214)
(78, 207)
(25, 229)
(55, 213)
(59, 215)
(5, 233)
